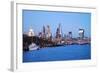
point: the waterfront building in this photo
(81, 33)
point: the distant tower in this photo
(44, 29)
(48, 32)
(44, 32)
(31, 32)
(70, 35)
(58, 31)
(81, 33)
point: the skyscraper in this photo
(44, 32)
(70, 34)
(58, 32)
(48, 32)
(81, 33)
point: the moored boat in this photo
(33, 46)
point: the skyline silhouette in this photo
(70, 21)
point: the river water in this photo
(61, 53)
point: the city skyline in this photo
(70, 21)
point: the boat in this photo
(33, 46)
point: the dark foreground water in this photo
(68, 52)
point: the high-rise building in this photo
(70, 34)
(81, 33)
(58, 32)
(44, 32)
(48, 32)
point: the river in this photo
(61, 53)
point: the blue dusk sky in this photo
(70, 21)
